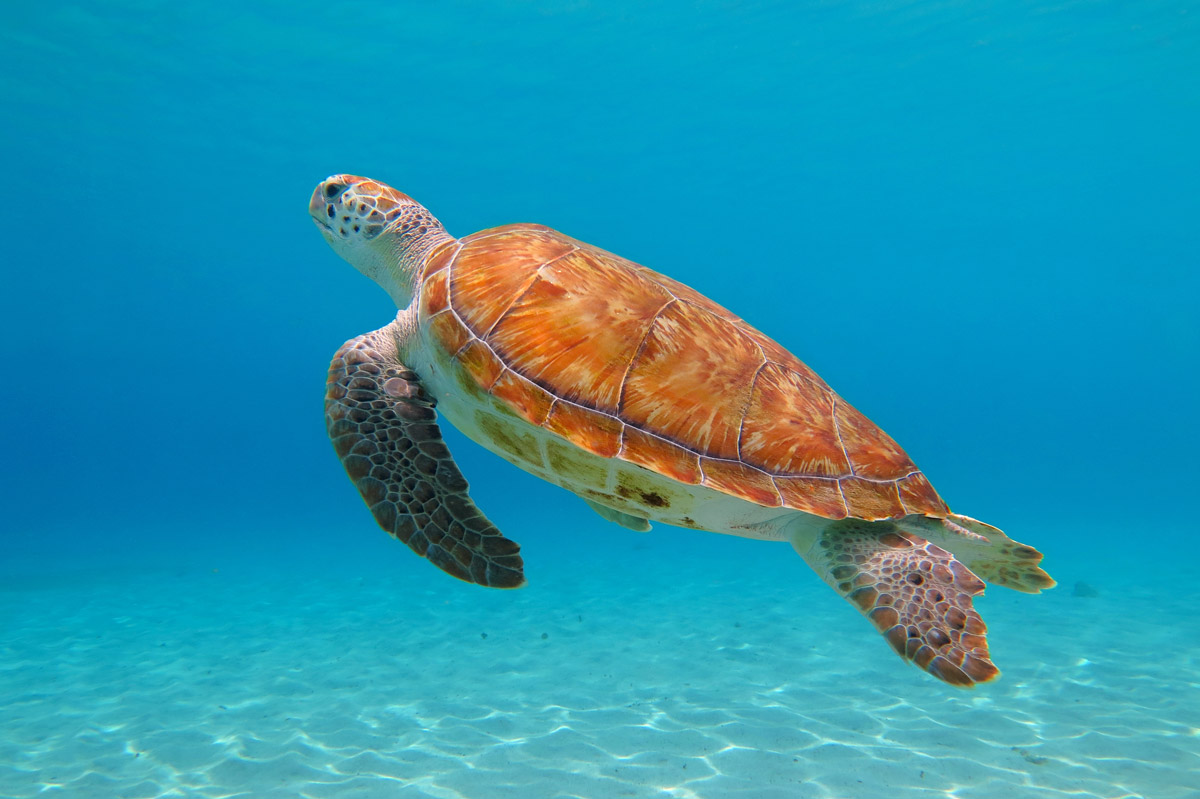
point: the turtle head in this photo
(383, 233)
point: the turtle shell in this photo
(627, 363)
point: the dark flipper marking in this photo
(384, 428)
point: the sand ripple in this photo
(405, 684)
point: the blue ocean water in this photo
(976, 220)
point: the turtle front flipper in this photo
(384, 428)
(914, 592)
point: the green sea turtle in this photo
(647, 400)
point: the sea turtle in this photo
(646, 399)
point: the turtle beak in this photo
(320, 205)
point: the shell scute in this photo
(598, 433)
(691, 381)
(530, 401)
(660, 455)
(435, 295)
(480, 363)
(919, 496)
(817, 495)
(493, 268)
(740, 480)
(872, 500)
(789, 426)
(776, 353)
(872, 452)
(601, 312)
(770, 348)
(440, 258)
(448, 332)
(682, 291)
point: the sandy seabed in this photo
(632, 666)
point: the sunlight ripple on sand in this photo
(407, 685)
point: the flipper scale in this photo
(384, 429)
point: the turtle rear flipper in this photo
(985, 549)
(914, 592)
(384, 428)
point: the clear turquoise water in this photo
(977, 221)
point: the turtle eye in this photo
(333, 189)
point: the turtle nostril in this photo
(333, 189)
